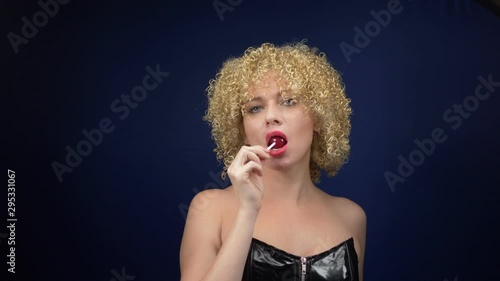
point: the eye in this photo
(254, 109)
(289, 101)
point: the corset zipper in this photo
(303, 261)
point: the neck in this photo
(291, 186)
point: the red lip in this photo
(275, 133)
(278, 152)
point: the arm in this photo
(355, 218)
(358, 218)
(361, 238)
(201, 256)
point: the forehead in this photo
(271, 84)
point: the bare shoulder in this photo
(210, 201)
(349, 210)
(345, 210)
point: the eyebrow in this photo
(259, 98)
(255, 99)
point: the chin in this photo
(283, 162)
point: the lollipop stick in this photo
(271, 146)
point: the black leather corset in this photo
(268, 263)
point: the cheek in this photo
(306, 129)
(305, 123)
(249, 132)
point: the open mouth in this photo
(276, 137)
(279, 142)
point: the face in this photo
(277, 115)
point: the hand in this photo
(246, 176)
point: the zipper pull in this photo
(303, 261)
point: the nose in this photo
(273, 116)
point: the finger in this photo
(253, 167)
(242, 157)
(251, 156)
(262, 152)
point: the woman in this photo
(279, 115)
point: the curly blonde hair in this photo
(308, 74)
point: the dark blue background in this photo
(124, 205)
